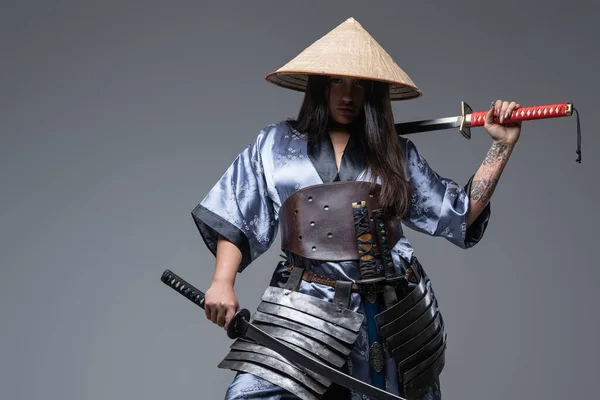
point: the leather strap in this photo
(294, 279)
(343, 290)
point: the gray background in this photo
(117, 117)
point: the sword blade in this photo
(405, 128)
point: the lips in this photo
(346, 110)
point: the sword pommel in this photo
(569, 110)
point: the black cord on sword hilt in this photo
(578, 151)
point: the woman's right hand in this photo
(220, 303)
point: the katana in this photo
(240, 326)
(470, 119)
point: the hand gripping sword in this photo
(470, 119)
(239, 326)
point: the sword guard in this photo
(465, 126)
(238, 324)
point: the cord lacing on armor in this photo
(365, 241)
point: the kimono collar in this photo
(321, 153)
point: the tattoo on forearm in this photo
(482, 189)
(498, 152)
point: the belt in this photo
(366, 286)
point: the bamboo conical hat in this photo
(347, 50)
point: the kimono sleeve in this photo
(239, 207)
(439, 206)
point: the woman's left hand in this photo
(508, 133)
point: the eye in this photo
(360, 82)
(335, 80)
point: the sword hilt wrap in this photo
(239, 322)
(525, 114)
(178, 284)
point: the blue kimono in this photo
(244, 204)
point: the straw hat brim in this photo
(347, 50)
(298, 81)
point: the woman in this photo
(343, 138)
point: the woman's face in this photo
(345, 98)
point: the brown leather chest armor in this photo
(316, 222)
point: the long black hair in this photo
(375, 127)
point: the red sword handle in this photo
(472, 119)
(524, 114)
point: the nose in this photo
(347, 93)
